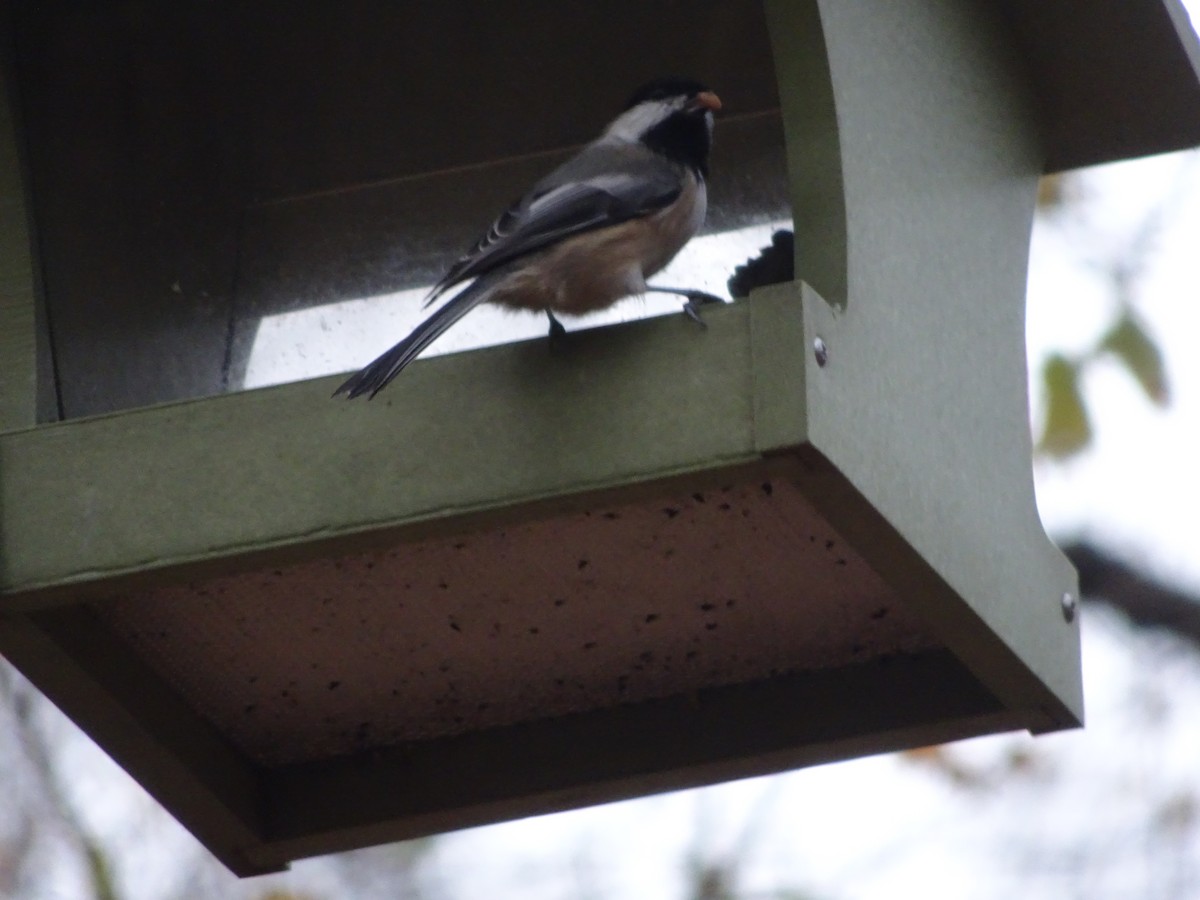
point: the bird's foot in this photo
(695, 300)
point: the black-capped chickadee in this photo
(591, 232)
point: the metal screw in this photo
(821, 352)
(1068, 606)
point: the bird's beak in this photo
(707, 100)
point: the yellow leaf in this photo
(1066, 429)
(1052, 193)
(1128, 342)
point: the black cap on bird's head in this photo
(685, 132)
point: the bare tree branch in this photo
(1146, 601)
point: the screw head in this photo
(821, 352)
(1069, 605)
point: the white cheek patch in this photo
(633, 123)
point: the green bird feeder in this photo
(520, 582)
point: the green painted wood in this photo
(814, 153)
(922, 406)
(778, 339)
(88, 501)
(18, 346)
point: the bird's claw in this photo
(696, 299)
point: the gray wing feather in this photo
(600, 187)
(375, 376)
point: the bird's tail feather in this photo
(376, 375)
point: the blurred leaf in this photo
(1129, 343)
(713, 881)
(1177, 814)
(102, 882)
(1021, 760)
(1052, 192)
(1067, 429)
(939, 759)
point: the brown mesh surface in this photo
(564, 615)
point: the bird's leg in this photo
(558, 334)
(695, 299)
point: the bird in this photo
(588, 234)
